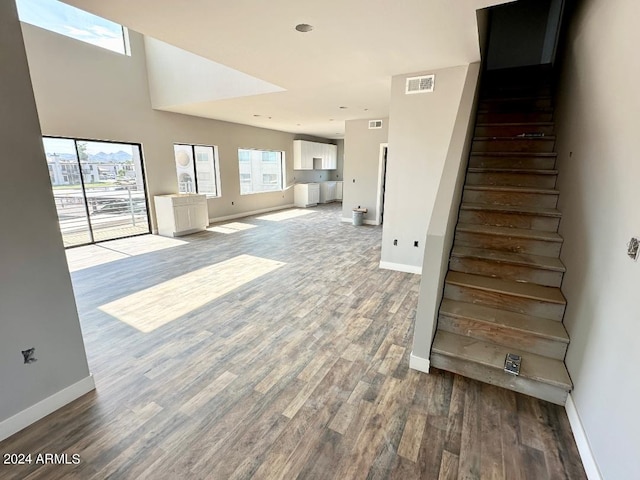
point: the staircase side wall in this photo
(443, 221)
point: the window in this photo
(98, 188)
(61, 18)
(197, 169)
(260, 171)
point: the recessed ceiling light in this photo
(304, 27)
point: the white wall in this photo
(420, 128)
(37, 307)
(85, 91)
(441, 230)
(360, 170)
(178, 77)
(599, 170)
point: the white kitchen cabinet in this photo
(339, 186)
(304, 153)
(330, 159)
(327, 192)
(306, 194)
(181, 214)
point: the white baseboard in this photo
(44, 407)
(366, 222)
(419, 363)
(588, 460)
(248, 214)
(400, 267)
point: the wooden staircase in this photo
(502, 292)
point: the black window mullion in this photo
(195, 168)
(84, 192)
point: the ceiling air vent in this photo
(375, 124)
(421, 84)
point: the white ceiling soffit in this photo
(178, 77)
(352, 42)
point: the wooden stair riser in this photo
(501, 335)
(533, 180)
(512, 117)
(506, 130)
(514, 104)
(507, 271)
(508, 244)
(529, 145)
(503, 301)
(513, 220)
(497, 197)
(497, 377)
(528, 162)
(519, 91)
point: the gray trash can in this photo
(358, 217)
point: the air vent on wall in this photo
(375, 124)
(421, 84)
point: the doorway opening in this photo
(382, 180)
(98, 188)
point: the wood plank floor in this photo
(300, 371)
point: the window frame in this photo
(215, 170)
(282, 166)
(24, 6)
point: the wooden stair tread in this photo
(514, 124)
(507, 287)
(510, 232)
(514, 154)
(514, 138)
(534, 367)
(525, 98)
(523, 259)
(508, 188)
(534, 109)
(523, 210)
(540, 327)
(512, 170)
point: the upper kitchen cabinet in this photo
(304, 153)
(330, 160)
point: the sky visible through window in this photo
(70, 21)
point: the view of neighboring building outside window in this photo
(260, 171)
(98, 188)
(72, 22)
(197, 169)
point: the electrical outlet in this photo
(395, 242)
(415, 243)
(28, 355)
(633, 248)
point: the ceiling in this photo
(347, 60)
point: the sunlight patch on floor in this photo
(153, 307)
(93, 255)
(232, 227)
(286, 215)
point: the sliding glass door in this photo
(98, 188)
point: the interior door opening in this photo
(98, 188)
(382, 180)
